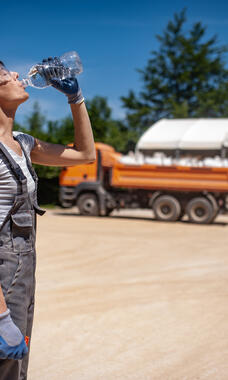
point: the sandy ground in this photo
(130, 298)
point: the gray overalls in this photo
(18, 261)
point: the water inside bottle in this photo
(69, 65)
(40, 81)
(35, 79)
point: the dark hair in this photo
(1, 63)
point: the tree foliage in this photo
(35, 125)
(185, 77)
(105, 128)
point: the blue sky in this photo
(113, 38)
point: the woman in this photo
(18, 205)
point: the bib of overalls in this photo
(18, 230)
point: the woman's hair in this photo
(1, 63)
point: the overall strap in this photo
(18, 173)
(39, 210)
(32, 171)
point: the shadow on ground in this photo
(148, 219)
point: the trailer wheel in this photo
(167, 208)
(200, 210)
(88, 204)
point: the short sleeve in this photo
(28, 141)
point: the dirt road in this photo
(130, 298)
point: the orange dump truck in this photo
(170, 191)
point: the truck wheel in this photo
(200, 210)
(214, 205)
(167, 208)
(88, 204)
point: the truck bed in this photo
(179, 178)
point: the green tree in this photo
(35, 122)
(35, 125)
(100, 116)
(105, 128)
(185, 77)
(62, 131)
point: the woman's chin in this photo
(24, 97)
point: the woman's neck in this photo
(6, 122)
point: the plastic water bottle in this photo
(71, 66)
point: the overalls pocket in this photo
(9, 264)
(22, 224)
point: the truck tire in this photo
(200, 210)
(167, 208)
(214, 205)
(88, 204)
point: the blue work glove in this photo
(53, 73)
(12, 342)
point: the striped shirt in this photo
(9, 187)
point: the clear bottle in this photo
(71, 66)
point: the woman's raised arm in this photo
(83, 151)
